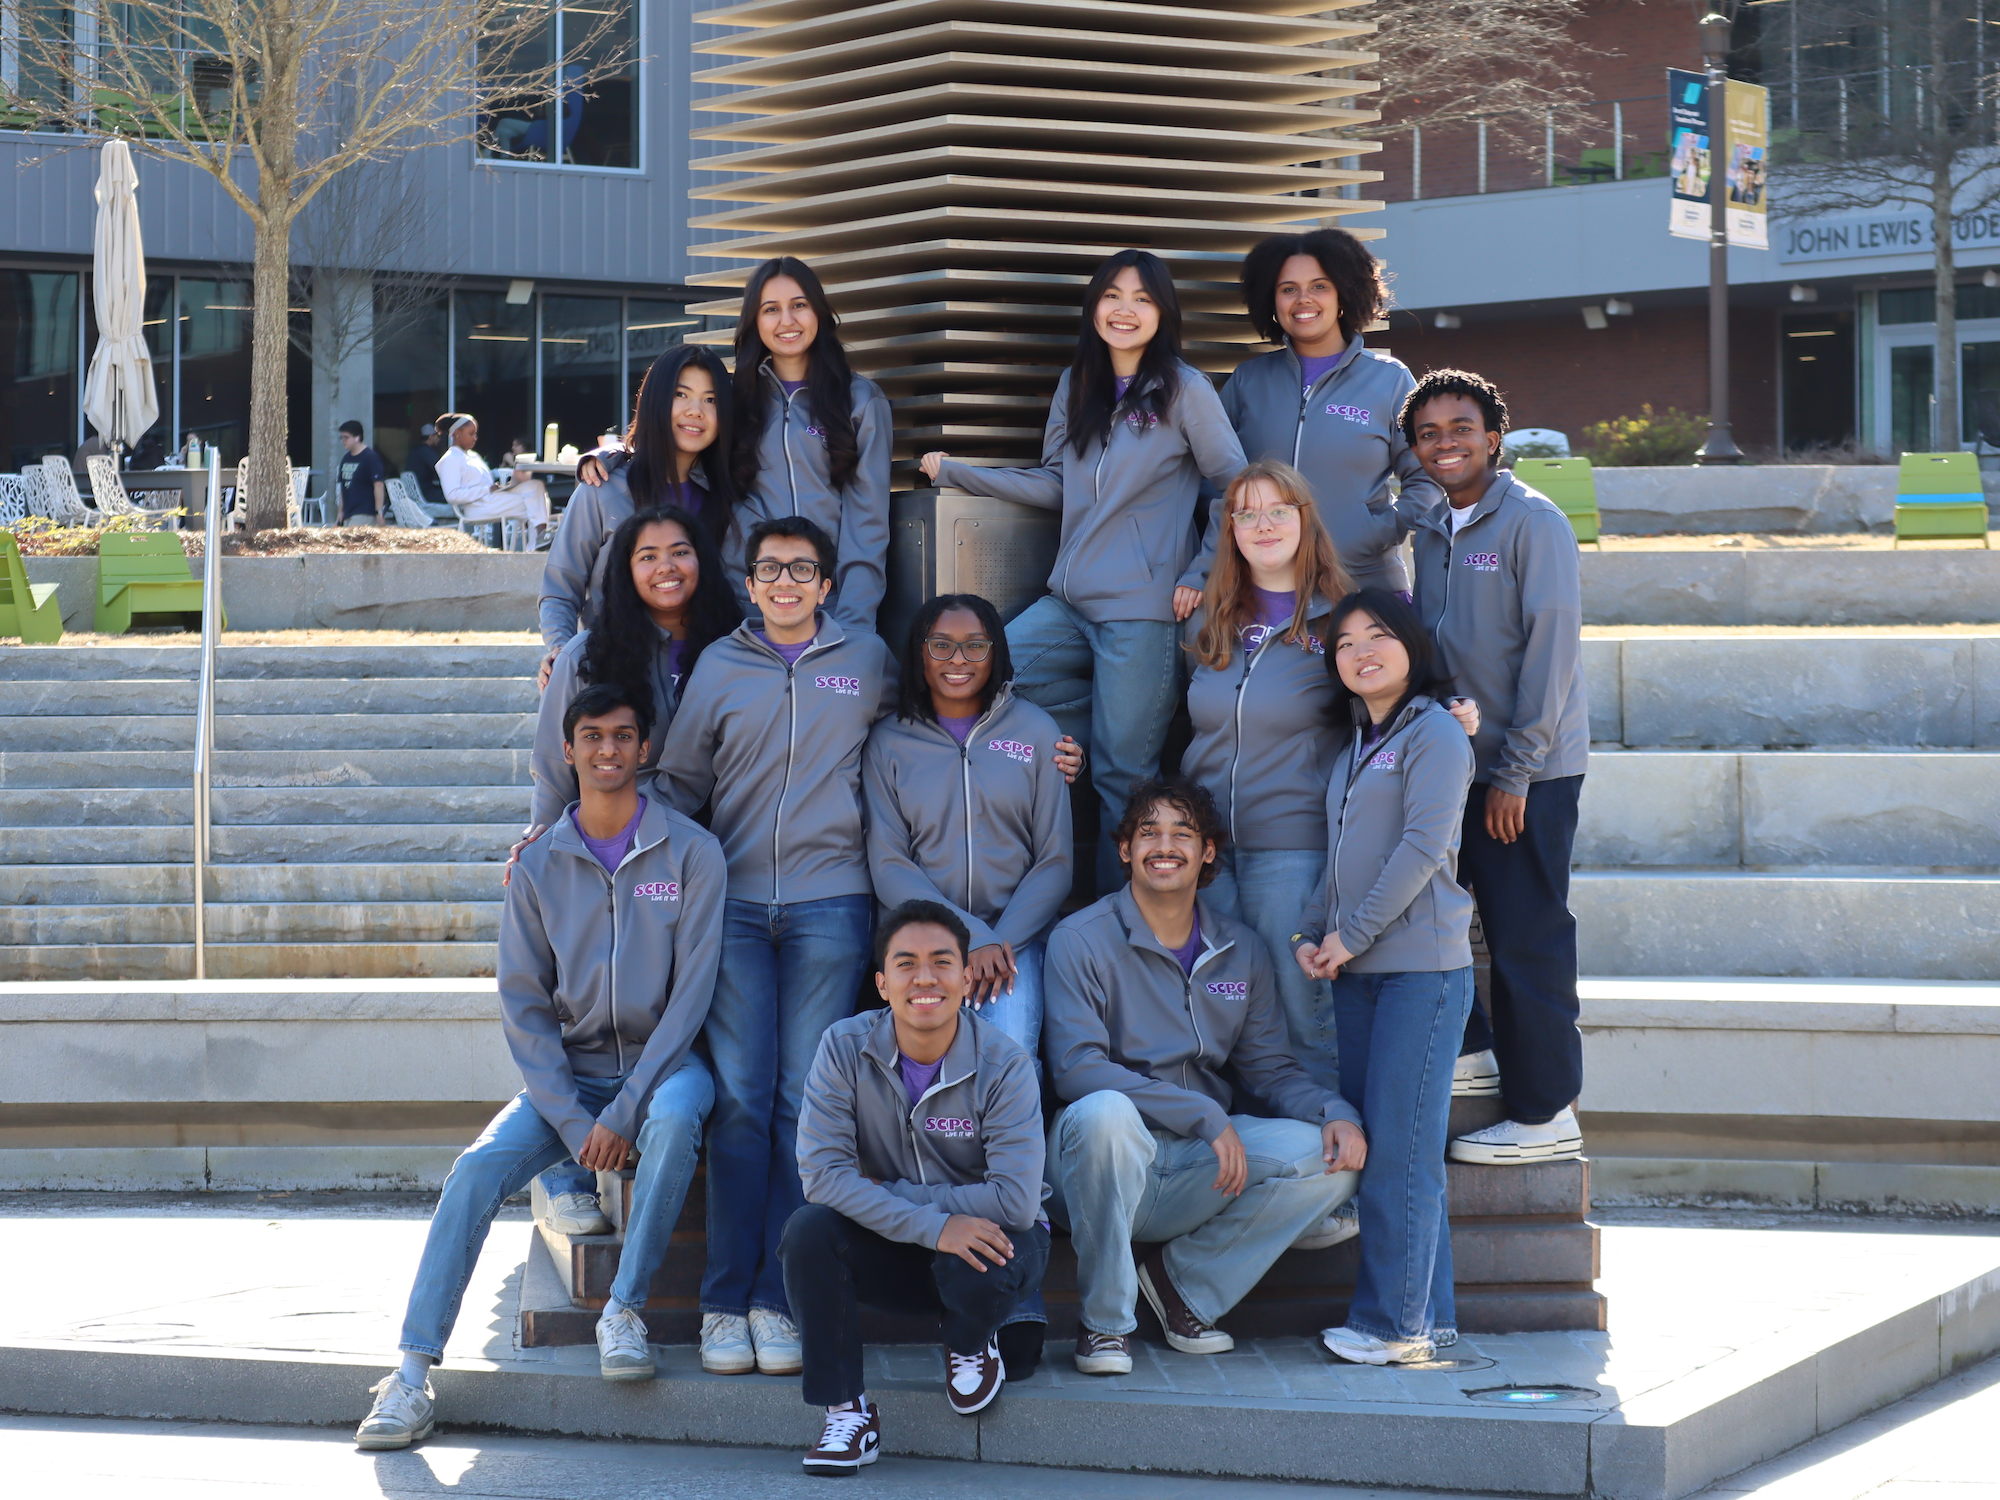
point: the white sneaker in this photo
(401, 1415)
(621, 1346)
(1365, 1349)
(1510, 1142)
(776, 1341)
(1343, 1224)
(725, 1344)
(1475, 1076)
(577, 1213)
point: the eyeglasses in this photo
(770, 570)
(1252, 520)
(941, 648)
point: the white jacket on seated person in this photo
(468, 486)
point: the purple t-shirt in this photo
(1317, 366)
(1186, 953)
(611, 852)
(676, 651)
(1274, 613)
(1123, 383)
(917, 1077)
(792, 387)
(791, 654)
(957, 727)
(687, 495)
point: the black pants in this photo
(834, 1267)
(1523, 893)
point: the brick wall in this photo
(1557, 373)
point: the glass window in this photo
(495, 347)
(651, 328)
(214, 319)
(1910, 399)
(1979, 384)
(580, 368)
(38, 328)
(579, 125)
(29, 27)
(1908, 304)
(410, 372)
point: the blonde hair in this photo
(1316, 570)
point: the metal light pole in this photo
(1720, 448)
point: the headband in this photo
(453, 429)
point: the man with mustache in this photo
(1152, 995)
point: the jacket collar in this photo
(1139, 935)
(1348, 356)
(1503, 483)
(1001, 702)
(827, 632)
(653, 825)
(960, 1058)
(1405, 716)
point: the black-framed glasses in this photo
(770, 570)
(943, 648)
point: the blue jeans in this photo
(517, 1145)
(1113, 686)
(788, 973)
(1114, 1179)
(1399, 1036)
(1020, 1014)
(1267, 890)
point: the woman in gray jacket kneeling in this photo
(1391, 931)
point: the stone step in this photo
(264, 768)
(1907, 809)
(322, 806)
(88, 885)
(257, 844)
(123, 961)
(107, 697)
(170, 663)
(265, 732)
(295, 922)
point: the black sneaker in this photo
(849, 1440)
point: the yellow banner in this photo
(1747, 137)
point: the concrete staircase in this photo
(362, 798)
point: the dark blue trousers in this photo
(1523, 893)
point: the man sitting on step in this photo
(1152, 994)
(609, 941)
(920, 1147)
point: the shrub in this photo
(41, 537)
(1669, 437)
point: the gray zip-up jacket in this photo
(1504, 602)
(984, 828)
(1128, 505)
(604, 975)
(1394, 811)
(573, 577)
(1263, 729)
(1345, 436)
(972, 1145)
(1122, 1015)
(793, 480)
(780, 748)
(555, 778)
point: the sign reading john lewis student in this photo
(1887, 231)
(1742, 144)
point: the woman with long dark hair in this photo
(1132, 432)
(676, 453)
(1389, 930)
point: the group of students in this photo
(1271, 1005)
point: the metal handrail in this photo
(204, 712)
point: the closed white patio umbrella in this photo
(118, 397)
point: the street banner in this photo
(1688, 153)
(1743, 147)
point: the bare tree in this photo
(1452, 62)
(1897, 109)
(275, 99)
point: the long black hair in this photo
(1093, 387)
(1355, 273)
(829, 378)
(914, 690)
(650, 438)
(1400, 620)
(622, 644)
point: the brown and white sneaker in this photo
(1103, 1353)
(973, 1380)
(851, 1439)
(1184, 1330)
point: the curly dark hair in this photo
(1477, 389)
(1356, 276)
(1189, 798)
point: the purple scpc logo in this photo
(657, 890)
(812, 431)
(849, 686)
(1385, 760)
(1233, 988)
(950, 1126)
(1014, 750)
(1483, 562)
(1359, 414)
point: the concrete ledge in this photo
(1791, 586)
(225, 1168)
(1756, 497)
(1870, 1187)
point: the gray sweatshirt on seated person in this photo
(1123, 1015)
(971, 1145)
(983, 827)
(779, 748)
(554, 777)
(1503, 598)
(607, 975)
(1128, 503)
(1394, 810)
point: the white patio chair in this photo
(406, 510)
(112, 500)
(61, 482)
(35, 493)
(13, 500)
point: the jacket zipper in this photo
(1250, 660)
(1340, 839)
(784, 787)
(1305, 400)
(1097, 499)
(791, 474)
(940, 1083)
(965, 788)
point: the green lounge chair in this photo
(1939, 498)
(1569, 483)
(145, 573)
(28, 610)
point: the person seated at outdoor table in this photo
(420, 465)
(520, 451)
(677, 453)
(469, 487)
(920, 1147)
